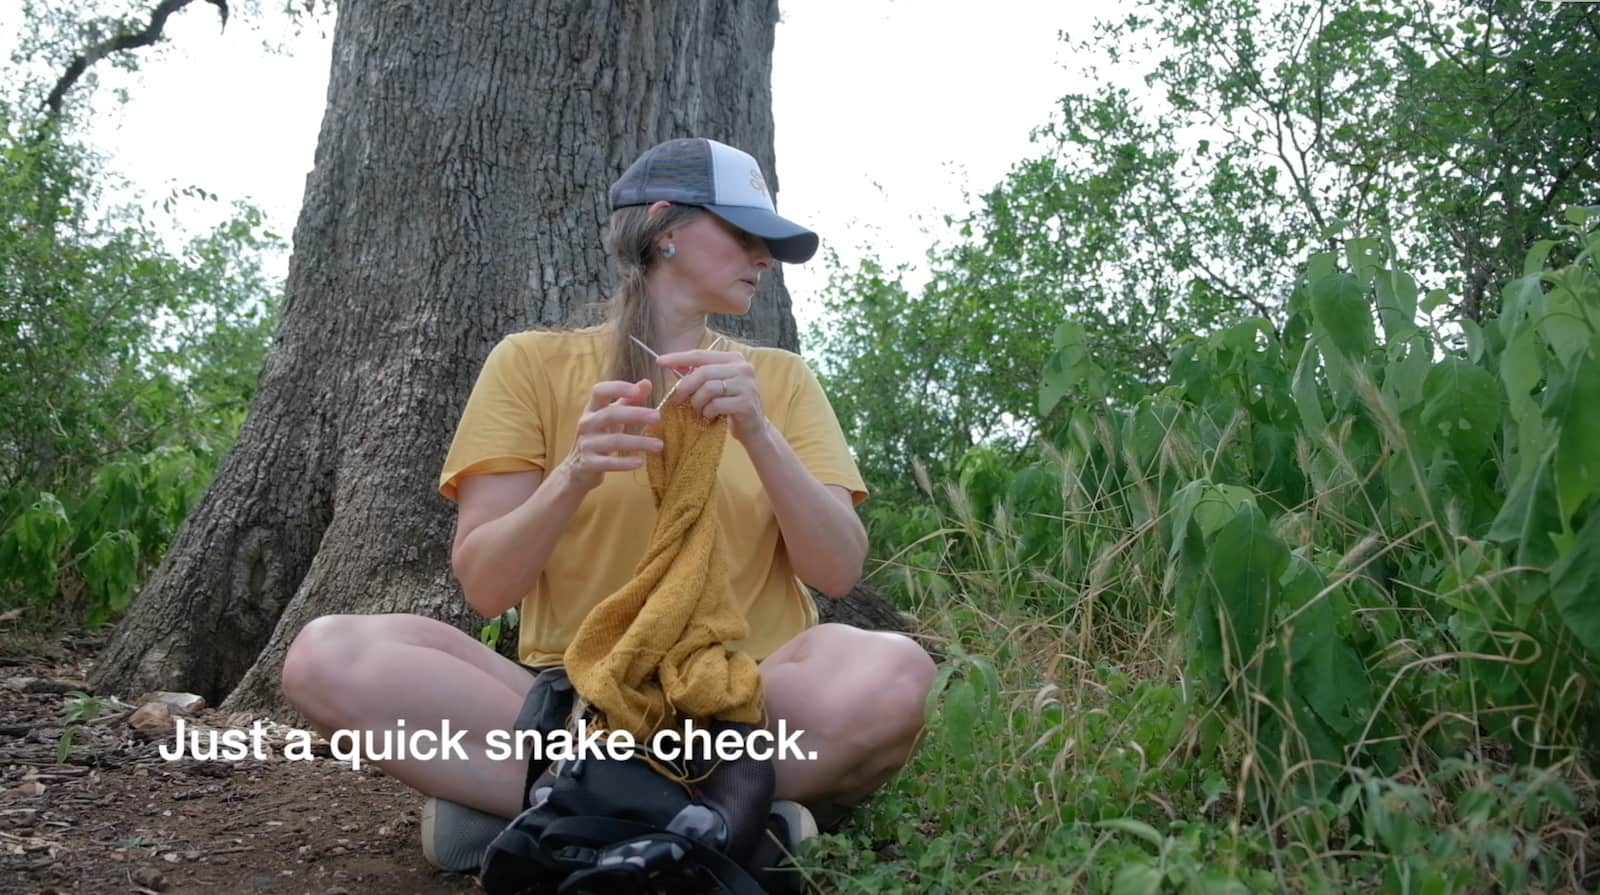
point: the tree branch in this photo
(1565, 174)
(1223, 286)
(117, 43)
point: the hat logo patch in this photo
(757, 182)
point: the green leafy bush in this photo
(1320, 592)
(125, 372)
(97, 553)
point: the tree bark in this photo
(458, 194)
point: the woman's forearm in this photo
(825, 540)
(499, 562)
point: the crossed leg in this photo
(858, 695)
(369, 672)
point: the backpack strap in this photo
(565, 837)
(546, 708)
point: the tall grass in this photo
(1316, 615)
(1068, 752)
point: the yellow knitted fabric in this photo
(651, 655)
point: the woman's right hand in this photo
(603, 444)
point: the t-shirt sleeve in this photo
(813, 432)
(501, 428)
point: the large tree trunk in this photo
(459, 193)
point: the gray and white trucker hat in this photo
(720, 179)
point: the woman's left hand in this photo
(719, 383)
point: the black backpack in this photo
(602, 825)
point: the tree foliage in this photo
(1256, 134)
(1375, 546)
(125, 367)
(1461, 128)
(62, 47)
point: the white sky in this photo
(886, 113)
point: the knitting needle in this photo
(658, 357)
(675, 385)
(653, 354)
(644, 346)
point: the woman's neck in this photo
(679, 335)
(679, 326)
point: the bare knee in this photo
(905, 673)
(908, 672)
(890, 709)
(316, 668)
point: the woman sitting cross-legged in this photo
(548, 469)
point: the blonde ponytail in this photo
(631, 242)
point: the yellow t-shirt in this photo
(523, 415)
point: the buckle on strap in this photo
(576, 855)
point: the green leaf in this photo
(1474, 334)
(1154, 421)
(1134, 828)
(986, 681)
(1214, 882)
(1575, 586)
(1575, 404)
(1561, 321)
(960, 716)
(1461, 409)
(935, 697)
(1477, 804)
(1328, 673)
(1058, 380)
(1136, 879)
(1520, 370)
(1364, 256)
(1208, 505)
(1404, 376)
(1518, 299)
(1397, 303)
(1530, 515)
(1533, 262)
(1240, 339)
(1342, 314)
(111, 569)
(1245, 564)
(30, 548)
(1321, 265)
(1069, 366)
(1307, 398)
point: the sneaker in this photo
(796, 822)
(455, 836)
(788, 827)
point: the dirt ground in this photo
(116, 817)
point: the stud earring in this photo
(668, 250)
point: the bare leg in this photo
(858, 695)
(367, 672)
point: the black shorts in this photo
(539, 710)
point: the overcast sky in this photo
(885, 111)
